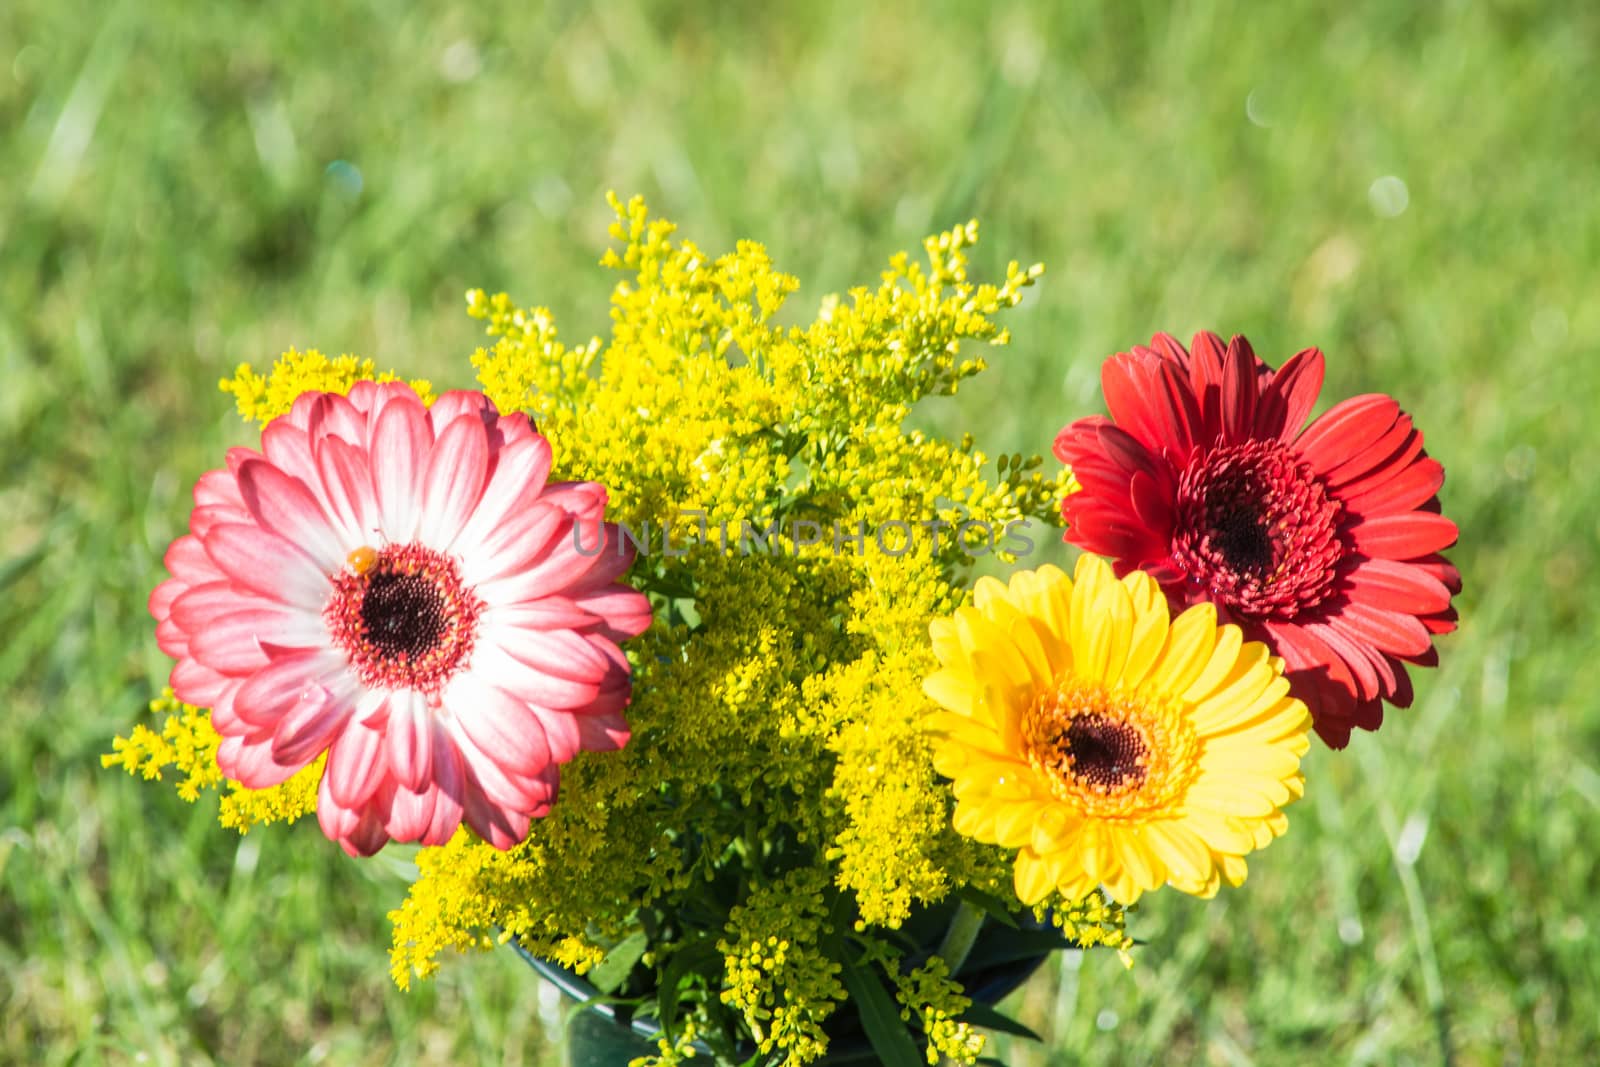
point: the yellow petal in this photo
(1102, 622)
(953, 689)
(946, 642)
(1188, 859)
(1219, 667)
(1150, 620)
(1190, 641)
(1031, 878)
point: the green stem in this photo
(959, 938)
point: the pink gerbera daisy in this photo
(397, 586)
(1324, 543)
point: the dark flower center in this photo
(403, 617)
(1257, 529)
(1109, 753)
(1105, 754)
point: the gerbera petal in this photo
(283, 505)
(500, 725)
(1416, 533)
(266, 564)
(307, 727)
(1287, 401)
(408, 740)
(457, 469)
(402, 437)
(356, 764)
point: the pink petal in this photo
(285, 506)
(556, 652)
(186, 558)
(561, 731)
(411, 813)
(409, 740)
(265, 563)
(511, 791)
(287, 448)
(457, 468)
(368, 837)
(337, 820)
(401, 441)
(499, 724)
(356, 764)
(272, 691)
(218, 488)
(602, 733)
(248, 761)
(502, 828)
(308, 727)
(516, 483)
(451, 791)
(626, 612)
(204, 607)
(195, 683)
(463, 402)
(334, 416)
(499, 668)
(347, 484)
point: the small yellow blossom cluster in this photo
(1096, 920)
(262, 399)
(778, 976)
(938, 1002)
(187, 744)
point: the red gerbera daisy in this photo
(1324, 543)
(397, 586)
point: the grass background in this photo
(1410, 187)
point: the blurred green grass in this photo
(183, 187)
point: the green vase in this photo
(1002, 960)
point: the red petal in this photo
(1397, 491)
(1128, 384)
(1387, 631)
(1239, 373)
(1346, 428)
(1396, 586)
(1286, 402)
(1416, 533)
(1206, 353)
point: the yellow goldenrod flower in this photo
(1107, 744)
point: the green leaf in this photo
(989, 904)
(684, 962)
(987, 1017)
(880, 1016)
(609, 974)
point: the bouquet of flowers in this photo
(668, 654)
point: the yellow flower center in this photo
(1110, 753)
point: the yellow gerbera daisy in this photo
(1107, 744)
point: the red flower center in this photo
(1256, 527)
(403, 617)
